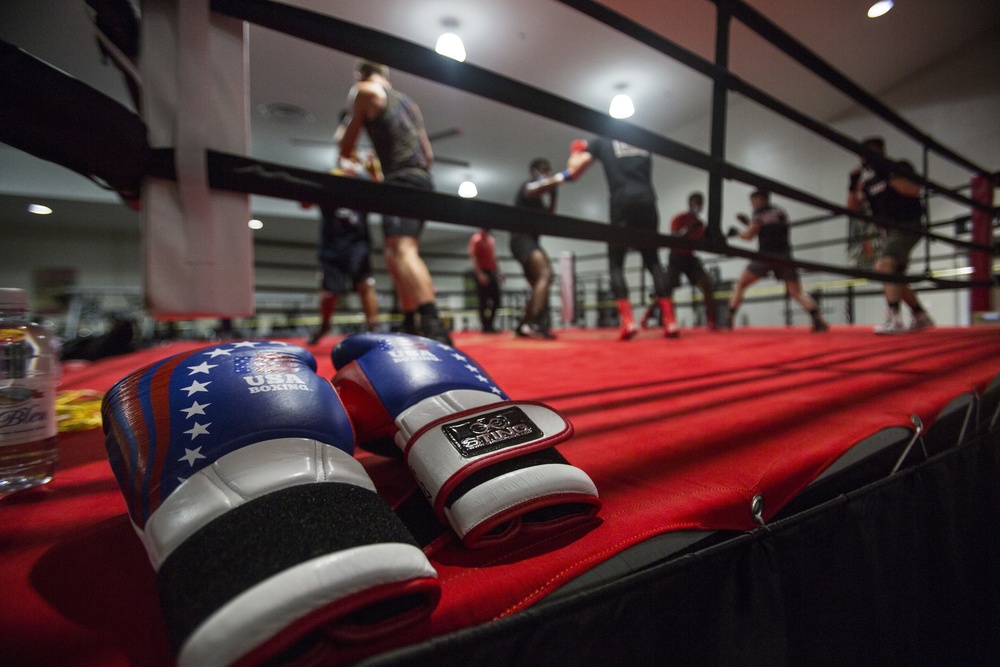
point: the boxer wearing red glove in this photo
(628, 170)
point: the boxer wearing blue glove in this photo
(486, 463)
(268, 538)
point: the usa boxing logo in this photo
(405, 349)
(488, 433)
(270, 371)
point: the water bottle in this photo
(28, 443)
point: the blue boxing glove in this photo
(267, 535)
(486, 463)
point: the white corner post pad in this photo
(259, 613)
(239, 477)
(195, 98)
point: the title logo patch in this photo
(482, 434)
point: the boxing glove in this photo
(267, 535)
(486, 463)
(578, 146)
(855, 180)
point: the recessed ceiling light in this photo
(467, 189)
(284, 112)
(450, 45)
(879, 8)
(621, 106)
(38, 209)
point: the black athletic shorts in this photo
(522, 245)
(393, 225)
(898, 245)
(781, 271)
(350, 267)
(687, 265)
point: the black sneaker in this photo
(435, 330)
(322, 331)
(527, 330)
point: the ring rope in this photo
(397, 53)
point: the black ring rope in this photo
(736, 84)
(397, 53)
(767, 29)
(400, 54)
(246, 175)
(241, 174)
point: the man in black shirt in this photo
(891, 195)
(633, 206)
(769, 224)
(539, 192)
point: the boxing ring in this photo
(770, 497)
(679, 440)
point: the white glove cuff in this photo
(511, 495)
(342, 578)
(443, 451)
(238, 477)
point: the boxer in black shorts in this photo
(539, 192)
(345, 258)
(769, 224)
(685, 262)
(396, 128)
(890, 194)
(628, 170)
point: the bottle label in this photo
(12, 335)
(26, 410)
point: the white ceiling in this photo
(539, 42)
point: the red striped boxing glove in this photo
(268, 538)
(576, 146)
(486, 463)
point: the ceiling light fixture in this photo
(255, 224)
(467, 189)
(621, 106)
(38, 209)
(450, 44)
(879, 8)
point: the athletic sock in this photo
(410, 322)
(326, 307)
(428, 310)
(431, 325)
